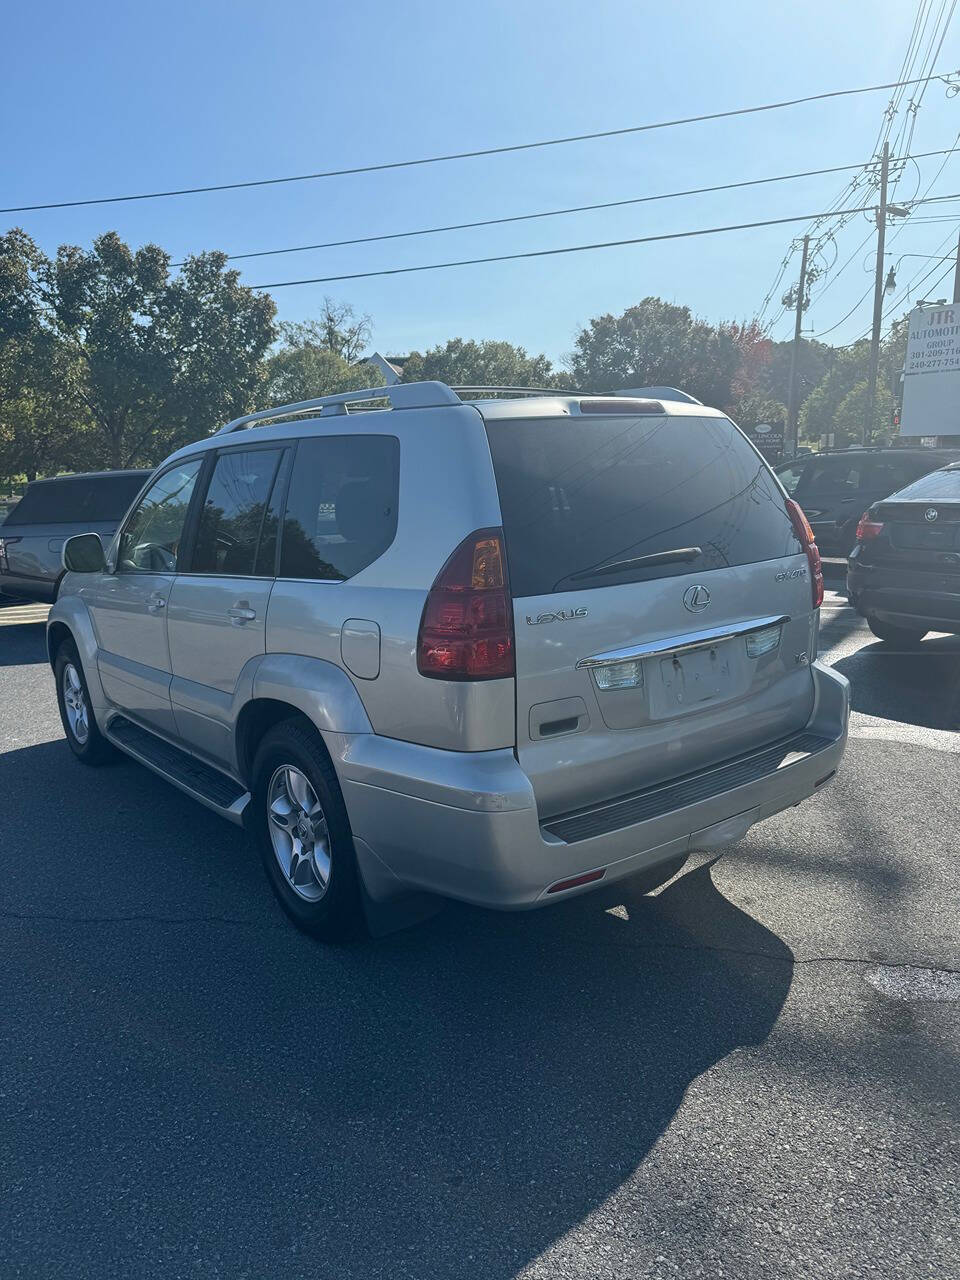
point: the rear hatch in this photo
(703, 638)
(920, 531)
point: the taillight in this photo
(868, 528)
(801, 527)
(466, 631)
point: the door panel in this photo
(129, 606)
(215, 625)
(131, 628)
(217, 616)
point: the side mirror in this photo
(83, 553)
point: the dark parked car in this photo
(834, 488)
(904, 573)
(50, 511)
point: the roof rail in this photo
(403, 395)
(657, 393)
(514, 391)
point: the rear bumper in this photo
(465, 825)
(905, 597)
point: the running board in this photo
(202, 781)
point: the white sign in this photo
(931, 373)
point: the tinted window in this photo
(150, 541)
(889, 473)
(78, 499)
(830, 475)
(233, 511)
(341, 507)
(577, 493)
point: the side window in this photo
(887, 475)
(150, 542)
(234, 510)
(342, 506)
(789, 477)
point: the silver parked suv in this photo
(504, 650)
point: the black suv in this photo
(50, 511)
(835, 487)
(904, 573)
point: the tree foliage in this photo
(657, 343)
(124, 356)
(473, 364)
(303, 366)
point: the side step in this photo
(654, 802)
(216, 790)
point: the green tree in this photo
(657, 343)
(757, 407)
(481, 364)
(314, 358)
(40, 427)
(141, 360)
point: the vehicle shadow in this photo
(198, 1085)
(918, 686)
(22, 643)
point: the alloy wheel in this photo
(75, 703)
(298, 832)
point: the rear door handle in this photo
(155, 603)
(239, 615)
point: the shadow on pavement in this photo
(920, 686)
(22, 643)
(195, 1086)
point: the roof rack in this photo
(403, 395)
(514, 391)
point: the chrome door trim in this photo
(678, 644)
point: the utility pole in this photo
(867, 423)
(956, 278)
(790, 440)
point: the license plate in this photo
(689, 678)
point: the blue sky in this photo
(110, 98)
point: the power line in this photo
(555, 213)
(547, 253)
(483, 151)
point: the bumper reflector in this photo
(587, 878)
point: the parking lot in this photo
(753, 1071)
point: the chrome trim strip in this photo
(682, 643)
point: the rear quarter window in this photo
(341, 511)
(576, 493)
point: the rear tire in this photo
(300, 824)
(893, 634)
(76, 711)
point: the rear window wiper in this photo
(678, 555)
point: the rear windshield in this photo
(77, 499)
(944, 485)
(578, 493)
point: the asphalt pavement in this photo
(753, 1072)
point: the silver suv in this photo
(504, 650)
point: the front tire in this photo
(300, 824)
(893, 634)
(76, 711)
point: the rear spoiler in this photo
(657, 393)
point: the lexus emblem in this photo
(696, 599)
(931, 514)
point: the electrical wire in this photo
(483, 151)
(545, 253)
(551, 213)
